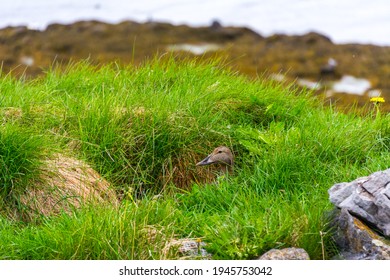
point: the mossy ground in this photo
(144, 128)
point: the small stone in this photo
(285, 254)
(190, 248)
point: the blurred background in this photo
(347, 21)
(339, 49)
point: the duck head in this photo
(221, 155)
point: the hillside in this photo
(137, 132)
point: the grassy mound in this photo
(143, 129)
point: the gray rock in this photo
(367, 198)
(189, 248)
(285, 254)
(356, 240)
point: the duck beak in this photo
(205, 161)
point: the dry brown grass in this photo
(183, 172)
(10, 114)
(65, 184)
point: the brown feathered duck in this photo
(221, 156)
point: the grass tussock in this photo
(143, 129)
(63, 185)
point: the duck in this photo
(221, 156)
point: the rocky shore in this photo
(311, 59)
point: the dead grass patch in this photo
(65, 184)
(183, 172)
(10, 114)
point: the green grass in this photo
(20, 156)
(143, 129)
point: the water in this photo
(344, 21)
(352, 85)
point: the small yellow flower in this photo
(377, 100)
